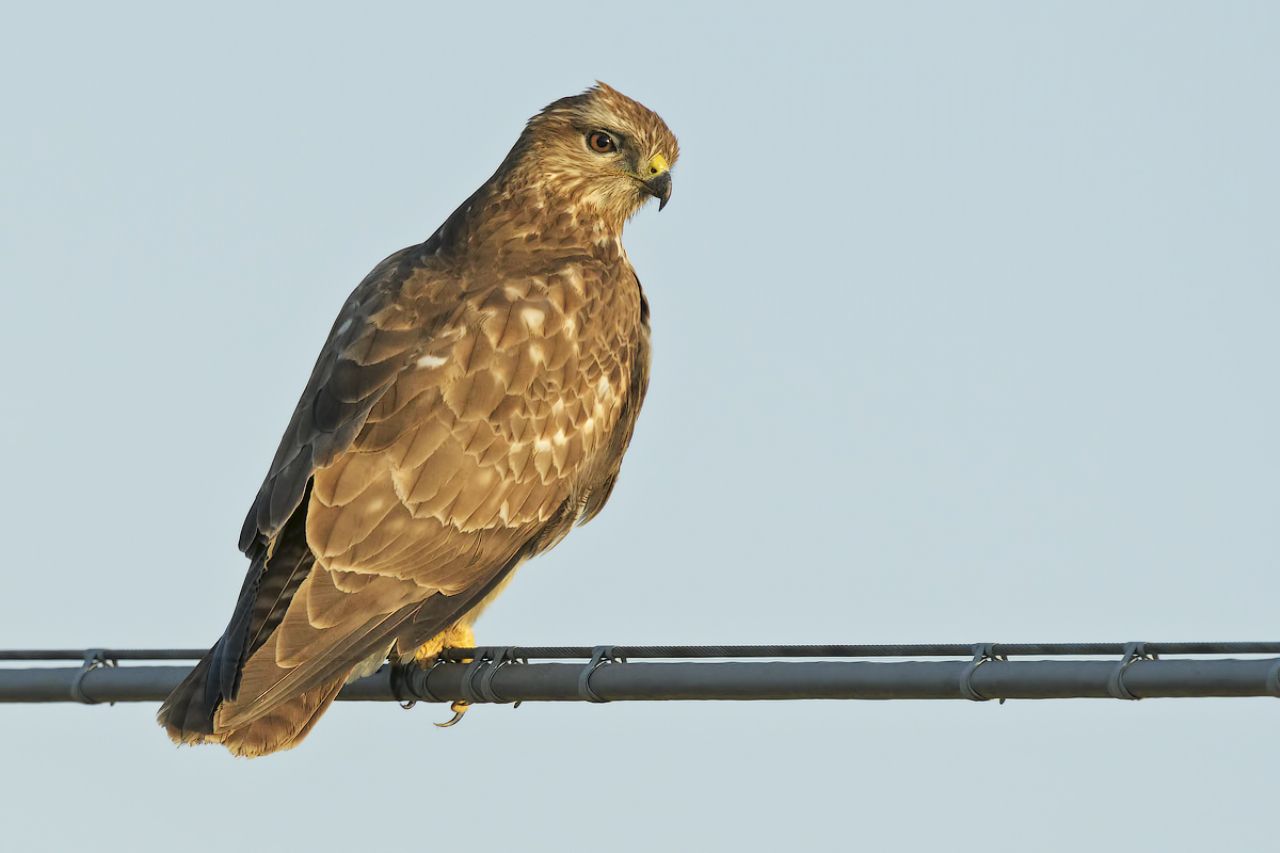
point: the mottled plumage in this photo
(472, 402)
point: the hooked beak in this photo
(658, 181)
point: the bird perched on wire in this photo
(472, 402)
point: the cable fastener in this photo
(413, 679)
(982, 653)
(600, 656)
(93, 659)
(486, 664)
(1273, 678)
(1133, 652)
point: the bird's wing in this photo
(440, 446)
(366, 350)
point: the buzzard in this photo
(472, 402)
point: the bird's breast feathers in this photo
(503, 414)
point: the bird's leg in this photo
(458, 636)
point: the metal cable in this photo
(902, 650)
(906, 650)
(107, 654)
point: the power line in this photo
(106, 654)
(650, 673)
(865, 650)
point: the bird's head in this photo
(600, 150)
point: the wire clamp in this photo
(504, 656)
(486, 664)
(413, 679)
(600, 656)
(93, 659)
(1133, 652)
(1273, 678)
(982, 653)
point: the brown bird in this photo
(472, 403)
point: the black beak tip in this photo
(660, 188)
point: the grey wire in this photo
(907, 650)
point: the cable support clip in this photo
(486, 664)
(600, 656)
(1273, 678)
(413, 679)
(93, 659)
(1133, 652)
(982, 653)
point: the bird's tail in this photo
(190, 717)
(187, 715)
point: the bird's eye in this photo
(600, 142)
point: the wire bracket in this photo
(504, 656)
(600, 656)
(414, 679)
(1273, 678)
(486, 664)
(1133, 652)
(982, 653)
(93, 659)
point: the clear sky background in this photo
(965, 328)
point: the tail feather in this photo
(284, 726)
(187, 715)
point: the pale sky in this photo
(964, 323)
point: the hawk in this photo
(472, 403)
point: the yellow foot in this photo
(457, 637)
(458, 708)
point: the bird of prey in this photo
(472, 402)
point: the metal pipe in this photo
(486, 681)
(100, 684)
(777, 680)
